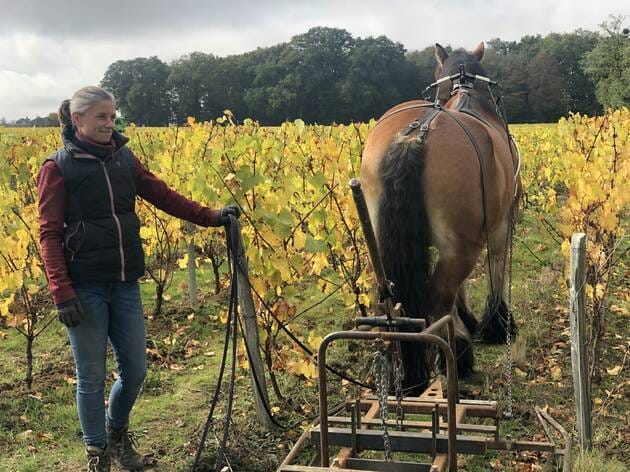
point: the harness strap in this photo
(464, 107)
(422, 123)
(483, 187)
(409, 107)
(469, 112)
(518, 164)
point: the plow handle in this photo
(384, 286)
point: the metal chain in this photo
(380, 371)
(508, 339)
(399, 373)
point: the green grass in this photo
(595, 462)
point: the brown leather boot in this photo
(121, 446)
(98, 459)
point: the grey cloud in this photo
(416, 24)
(133, 18)
(49, 48)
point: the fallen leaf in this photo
(25, 435)
(618, 309)
(45, 437)
(614, 371)
(556, 373)
(314, 340)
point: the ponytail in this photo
(64, 115)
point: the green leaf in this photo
(284, 223)
(314, 245)
(250, 181)
(318, 180)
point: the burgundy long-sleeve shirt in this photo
(52, 207)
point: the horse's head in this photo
(449, 64)
(455, 63)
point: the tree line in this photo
(326, 75)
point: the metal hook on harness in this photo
(462, 74)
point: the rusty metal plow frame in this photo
(443, 448)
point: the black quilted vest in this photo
(101, 229)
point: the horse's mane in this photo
(457, 57)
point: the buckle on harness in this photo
(414, 124)
(424, 127)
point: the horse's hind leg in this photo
(497, 319)
(450, 272)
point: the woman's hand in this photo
(226, 211)
(70, 312)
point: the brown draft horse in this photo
(452, 185)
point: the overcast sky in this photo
(50, 48)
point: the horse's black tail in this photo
(404, 236)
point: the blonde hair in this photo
(81, 101)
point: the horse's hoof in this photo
(496, 323)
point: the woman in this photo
(92, 252)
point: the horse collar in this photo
(464, 106)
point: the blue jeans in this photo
(112, 311)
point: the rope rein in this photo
(231, 335)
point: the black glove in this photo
(226, 211)
(70, 312)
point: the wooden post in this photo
(192, 268)
(246, 303)
(581, 381)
